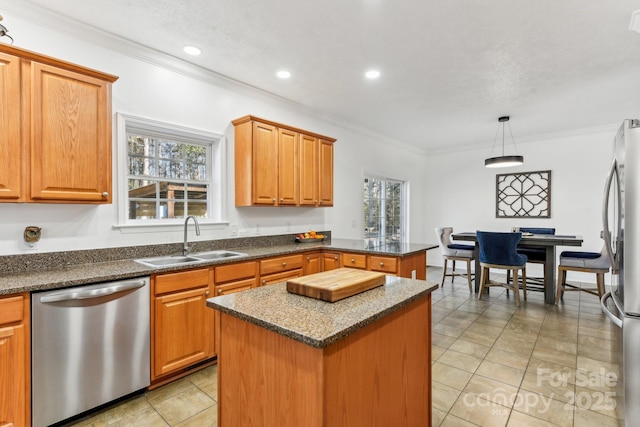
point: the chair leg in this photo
(453, 270)
(600, 283)
(444, 273)
(561, 278)
(483, 279)
(524, 282)
(469, 275)
(515, 286)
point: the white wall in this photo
(461, 191)
(195, 99)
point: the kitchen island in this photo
(295, 360)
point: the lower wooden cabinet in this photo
(330, 260)
(279, 269)
(182, 324)
(354, 260)
(312, 263)
(15, 367)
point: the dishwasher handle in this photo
(93, 293)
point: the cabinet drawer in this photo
(272, 279)
(240, 285)
(11, 310)
(172, 282)
(276, 265)
(384, 264)
(241, 270)
(354, 261)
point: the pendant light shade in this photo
(503, 161)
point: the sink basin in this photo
(172, 260)
(218, 255)
(167, 261)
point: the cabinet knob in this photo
(105, 194)
(206, 294)
(264, 282)
(281, 200)
(353, 260)
(284, 264)
(274, 200)
(382, 264)
(335, 257)
(308, 259)
(219, 291)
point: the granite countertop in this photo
(314, 322)
(37, 273)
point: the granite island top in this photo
(314, 322)
(44, 271)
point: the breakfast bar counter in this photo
(295, 360)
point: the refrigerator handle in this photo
(606, 233)
(615, 319)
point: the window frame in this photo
(216, 164)
(404, 205)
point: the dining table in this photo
(547, 241)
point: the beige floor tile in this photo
(448, 330)
(119, 412)
(470, 348)
(606, 334)
(172, 389)
(555, 387)
(441, 340)
(516, 342)
(448, 375)
(460, 360)
(210, 387)
(492, 390)
(598, 367)
(545, 408)
(453, 421)
(479, 411)
(607, 403)
(560, 334)
(204, 375)
(184, 405)
(551, 370)
(437, 416)
(145, 418)
(478, 337)
(554, 344)
(555, 356)
(503, 357)
(436, 352)
(518, 419)
(443, 397)
(493, 321)
(585, 418)
(206, 418)
(502, 373)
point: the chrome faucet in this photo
(186, 248)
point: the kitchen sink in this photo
(173, 260)
(167, 261)
(218, 255)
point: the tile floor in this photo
(493, 365)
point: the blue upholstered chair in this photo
(586, 262)
(536, 255)
(454, 252)
(498, 250)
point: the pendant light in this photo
(503, 161)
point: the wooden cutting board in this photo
(335, 284)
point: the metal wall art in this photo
(523, 195)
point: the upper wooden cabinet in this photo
(56, 130)
(279, 165)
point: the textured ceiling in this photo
(449, 68)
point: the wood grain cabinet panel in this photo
(15, 368)
(182, 324)
(312, 263)
(58, 118)
(279, 165)
(330, 260)
(383, 264)
(354, 260)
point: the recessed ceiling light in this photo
(283, 74)
(634, 25)
(372, 74)
(192, 50)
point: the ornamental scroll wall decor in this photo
(523, 195)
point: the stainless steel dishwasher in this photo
(90, 345)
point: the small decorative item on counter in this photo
(311, 236)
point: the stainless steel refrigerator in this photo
(621, 223)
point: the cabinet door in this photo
(183, 326)
(330, 261)
(10, 134)
(288, 167)
(308, 170)
(14, 362)
(70, 136)
(312, 263)
(265, 164)
(272, 279)
(325, 178)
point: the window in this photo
(168, 172)
(384, 211)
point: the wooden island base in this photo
(378, 376)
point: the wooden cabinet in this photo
(279, 165)
(279, 269)
(384, 264)
(330, 260)
(354, 260)
(312, 263)
(182, 324)
(15, 367)
(56, 130)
